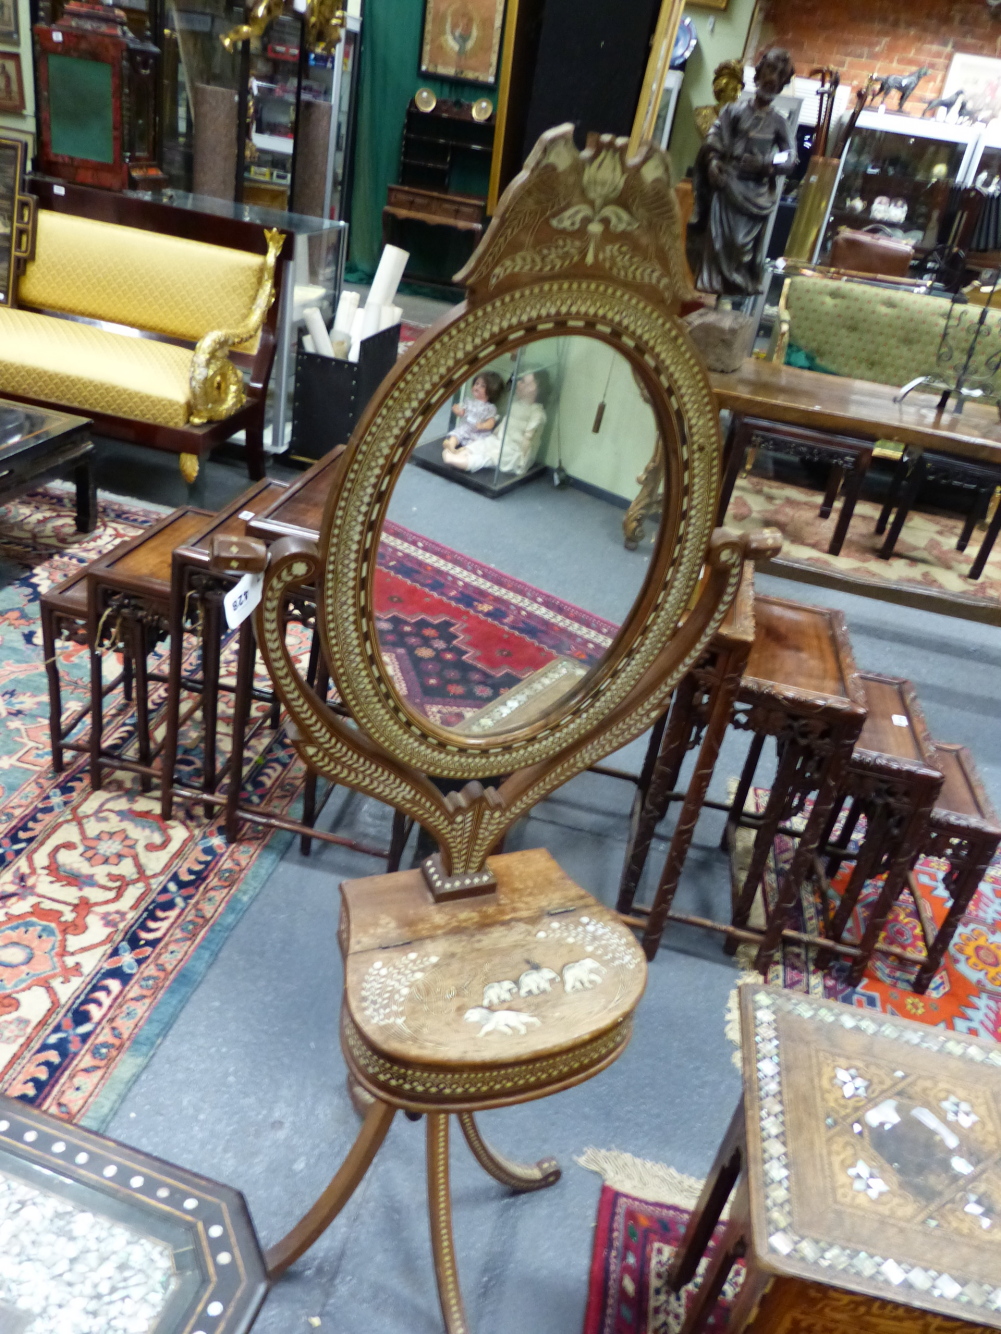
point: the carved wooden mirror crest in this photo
(583, 253)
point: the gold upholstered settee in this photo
(144, 331)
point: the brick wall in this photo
(860, 37)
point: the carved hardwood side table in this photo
(890, 782)
(128, 604)
(699, 716)
(801, 687)
(864, 1166)
(456, 1007)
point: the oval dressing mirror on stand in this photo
(567, 359)
(474, 640)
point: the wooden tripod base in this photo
(517, 1176)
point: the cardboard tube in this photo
(307, 344)
(356, 326)
(392, 262)
(390, 315)
(346, 308)
(318, 331)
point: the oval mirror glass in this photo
(502, 577)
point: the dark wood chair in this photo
(801, 687)
(848, 459)
(980, 480)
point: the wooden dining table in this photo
(844, 406)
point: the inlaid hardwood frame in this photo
(583, 244)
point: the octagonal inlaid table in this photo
(98, 1238)
(864, 1163)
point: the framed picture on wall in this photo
(979, 77)
(461, 39)
(11, 83)
(10, 32)
(17, 216)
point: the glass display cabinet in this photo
(897, 171)
(298, 133)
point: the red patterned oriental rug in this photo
(110, 916)
(456, 634)
(634, 1241)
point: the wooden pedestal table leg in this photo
(440, 1211)
(48, 619)
(834, 482)
(962, 881)
(719, 1184)
(518, 1176)
(86, 495)
(343, 1185)
(802, 861)
(242, 697)
(96, 700)
(852, 491)
(732, 1247)
(743, 789)
(211, 652)
(907, 497)
(775, 810)
(719, 707)
(734, 448)
(140, 656)
(175, 628)
(990, 537)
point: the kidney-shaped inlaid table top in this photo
(488, 1000)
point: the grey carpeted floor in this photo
(248, 1085)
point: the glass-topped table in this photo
(38, 444)
(98, 1238)
(865, 1161)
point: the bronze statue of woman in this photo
(736, 183)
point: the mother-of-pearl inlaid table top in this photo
(867, 1163)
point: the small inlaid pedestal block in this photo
(865, 1162)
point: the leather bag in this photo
(871, 252)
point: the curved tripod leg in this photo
(348, 1176)
(440, 1211)
(519, 1176)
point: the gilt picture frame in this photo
(17, 217)
(462, 39)
(10, 26)
(11, 82)
(979, 78)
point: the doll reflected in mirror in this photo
(514, 443)
(475, 418)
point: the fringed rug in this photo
(965, 993)
(634, 1241)
(925, 554)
